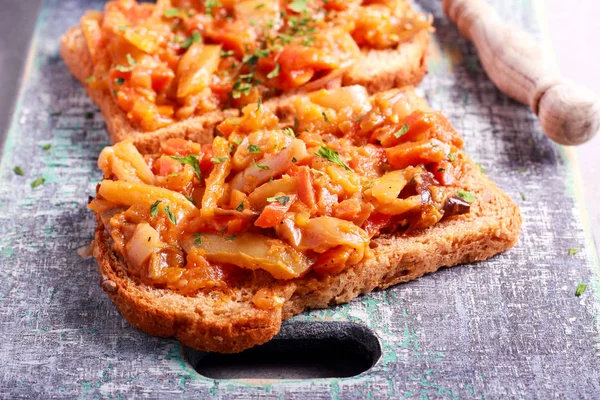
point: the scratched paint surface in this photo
(510, 327)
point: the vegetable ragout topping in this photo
(289, 201)
(171, 60)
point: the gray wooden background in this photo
(510, 327)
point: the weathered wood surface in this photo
(510, 327)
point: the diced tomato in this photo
(297, 65)
(444, 172)
(414, 153)
(206, 165)
(335, 5)
(179, 147)
(166, 165)
(161, 78)
(421, 126)
(274, 212)
(234, 37)
(375, 222)
(306, 190)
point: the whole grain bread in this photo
(377, 70)
(229, 322)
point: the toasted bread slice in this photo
(229, 323)
(378, 70)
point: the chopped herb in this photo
(294, 160)
(90, 79)
(46, 147)
(55, 113)
(154, 208)
(197, 239)
(230, 148)
(441, 170)
(190, 199)
(580, 289)
(119, 81)
(240, 207)
(289, 131)
(171, 12)
(283, 200)
(265, 167)
(258, 7)
(573, 251)
(412, 181)
(258, 104)
(121, 27)
(325, 117)
(37, 182)
(170, 215)
(481, 168)
(298, 6)
(195, 38)
(469, 197)
(210, 4)
(192, 160)
(218, 160)
(237, 141)
(332, 156)
(89, 115)
(451, 157)
(402, 131)
(115, 92)
(18, 170)
(253, 148)
(274, 73)
(296, 123)
(522, 170)
(123, 68)
(230, 237)
(523, 197)
(359, 118)
(227, 53)
(173, 174)
(368, 185)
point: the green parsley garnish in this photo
(90, 79)
(481, 168)
(522, 170)
(38, 182)
(441, 170)
(122, 27)
(332, 156)
(197, 239)
(523, 197)
(451, 156)
(298, 6)
(253, 148)
(368, 185)
(469, 197)
(89, 115)
(325, 117)
(402, 131)
(192, 160)
(154, 208)
(294, 160)
(195, 38)
(190, 199)
(46, 147)
(573, 251)
(258, 104)
(296, 124)
(210, 4)
(227, 53)
(275, 72)
(283, 200)
(289, 131)
(170, 215)
(218, 160)
(265, 167)
(237, 141)
(230, 237)
(119, 81)
(18, 170)
(240, 207)
(171, 12)
(580, 289)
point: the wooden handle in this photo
(515, 62)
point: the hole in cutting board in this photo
(301, 350)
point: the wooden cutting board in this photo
(510, 327)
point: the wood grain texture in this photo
(517, 64)
(510, 327)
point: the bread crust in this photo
(378, 70)
(230, 323)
